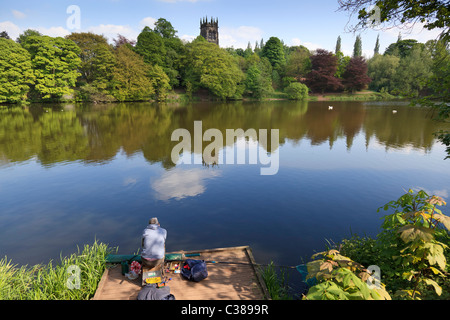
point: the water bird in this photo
(394, 111)
(330, 108)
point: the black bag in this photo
(194, 270)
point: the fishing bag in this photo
(194, 270)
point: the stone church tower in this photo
(210, 30)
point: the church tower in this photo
(210, 30)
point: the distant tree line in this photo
(85, 67)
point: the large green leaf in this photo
(411, 232)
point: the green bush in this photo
(297, 91)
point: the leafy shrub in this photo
(297, 91)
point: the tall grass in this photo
(276, 282)
(56, 281)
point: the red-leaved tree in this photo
(322, 77)
(355, 76)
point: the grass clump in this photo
(75, 278)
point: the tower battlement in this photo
(210, 29)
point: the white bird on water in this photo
(394, 111)
(330, 108)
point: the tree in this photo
(211, 67)
(122, 40)
(160, 81)
(357, 48)
(297, 91)
(381, 69)
(4, 35)
(342, 64)
(151, 47)
(131, 80)
(322, 76)
(97, 59)
(16, 72)
(413, 73)
(338, 45)
(55, 65)
(258, 81)
(377, 46)
(165, 29)
(355, 76)
(402, 48)
(27, 33)
(298, 63)
(274, 51)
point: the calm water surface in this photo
(72, 174)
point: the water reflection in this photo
(95, 134)
(181, 183)
(69, 174)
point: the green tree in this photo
(357, 48)
(150, 46)
(131, 81)
(298, 63)
(297, 91)
(165, 29)
(258, 81)
(382, 69)
(161, 82)
(377, 46)
(55, 65)
(16, 72)
(27, 33)
(338, 45)
(274, 51)
(402, 48)
(97, 59)
(413, 73)
(211, 67)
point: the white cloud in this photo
(239, 37)
(180, 184)
(148, 22)
(18, 15)
(110, 31)
(53, 31)
(311, 46)
(12, 30)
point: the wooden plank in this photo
(225, 280)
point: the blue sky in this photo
(314, 24)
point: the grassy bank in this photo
(56, 281)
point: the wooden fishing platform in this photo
(225, 281)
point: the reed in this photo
(56, 281)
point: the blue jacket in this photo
(153, 241)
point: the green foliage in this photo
(210, 67)
(97, 59)
(55, 65)
(274, 51)
(16, 72)
(416, 236)
(357, 47)
(276, 282)
(297, 91)
(150, 46)
(382, 69)
(340, 278)
(258, 83)
(131, 76)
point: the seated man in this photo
(153, 245)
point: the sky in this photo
(314, 24)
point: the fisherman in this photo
(153, 244)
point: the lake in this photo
(70, 174)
